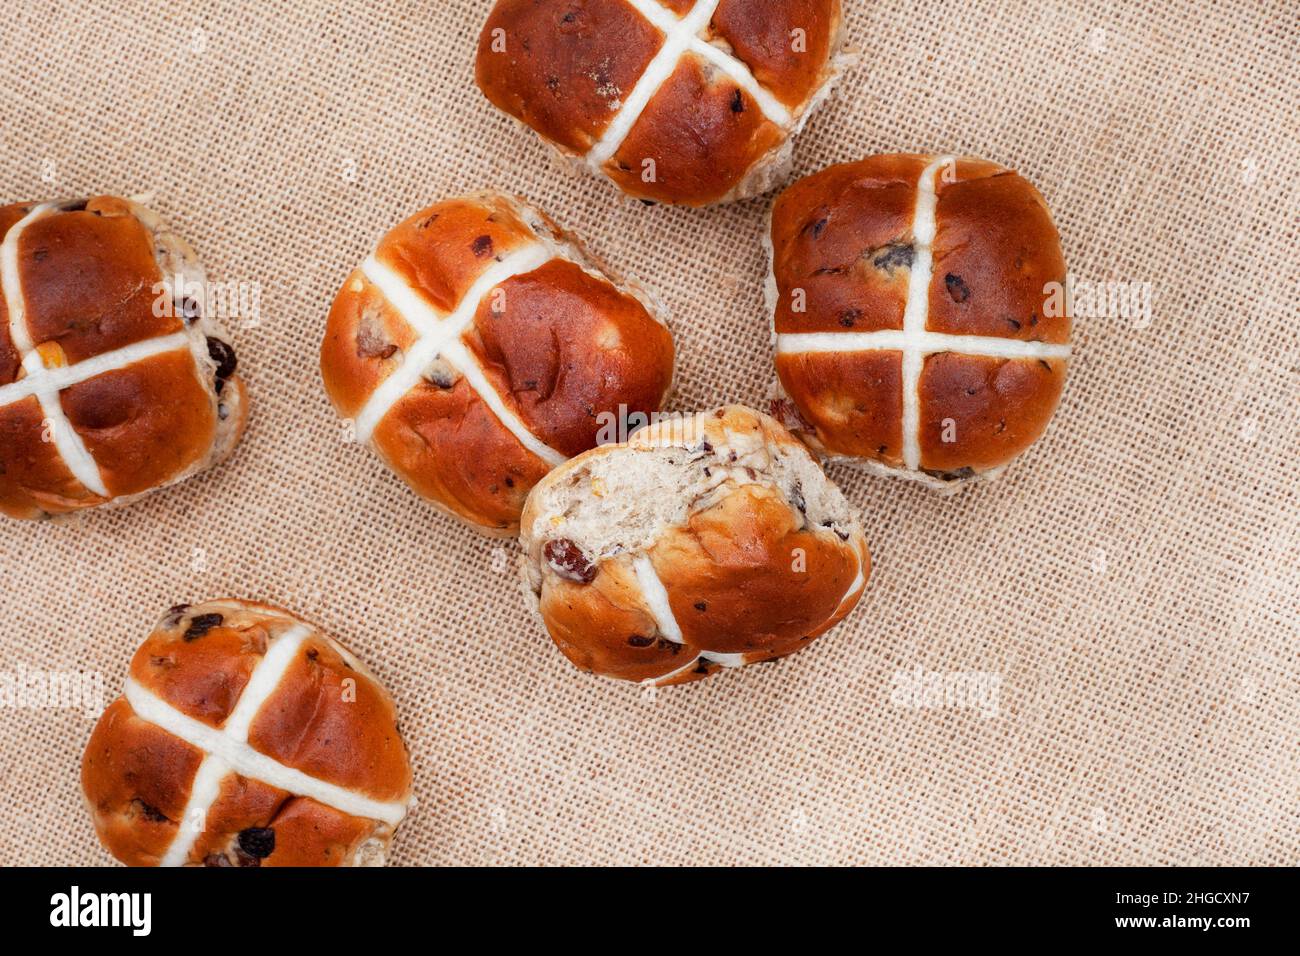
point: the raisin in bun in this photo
(480, 346)
(246, 737)
(701, 543)
(682, 102)
(914, 316)
(113, 382)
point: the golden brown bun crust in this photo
(995, 250)
(449, 447)
(749, 577)
(559, 345)
(732, 588)
(760, 32)
(999, 408)
(136, 778)
(699, 162)
(442, 250)
(567, 70)
(365, 341)
(840, 235)
(604, 627)
(598, 350)
(87, 274)
(856, 396)
(143, 423)
(9, 357)
(34, 480)
(844, 237)
(564, 64)
(87, 278)
(307, 833)
(320, 723)
(732, 581)
(324, 717)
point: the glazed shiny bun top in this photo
(112, 381)
(679, 102)
(480, 346)
(919, 325)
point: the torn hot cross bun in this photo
(701, 543)
(114, 381)
(246, 737)
(920, 323)
(480, 346)
(681, 102)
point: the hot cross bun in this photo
(919, 315)
(480, 346)
(113, 381)
(682, 102)
(700, 543)
(246, 737)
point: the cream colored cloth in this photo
(1132, 581)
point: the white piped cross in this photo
(439, 337)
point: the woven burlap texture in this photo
(1132, 581)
